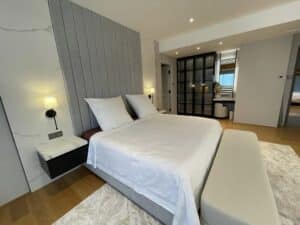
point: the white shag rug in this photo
(283, 168)
(106, 206)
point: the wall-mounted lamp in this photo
(50, 103)
(151, 93)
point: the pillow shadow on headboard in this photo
(99, 58)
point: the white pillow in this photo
(142, 105)
(109, 112)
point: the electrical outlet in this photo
(54, 135)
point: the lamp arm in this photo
(55, 122)
(51, 113)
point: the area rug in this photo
(283, 168)
(106, 206)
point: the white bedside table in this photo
(163, 111)
(62, 154)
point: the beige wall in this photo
(149, 65)
(152, 61)
(164, 59)
(259, 88)
(29, 72)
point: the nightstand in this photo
(162, 111)
(62, 154)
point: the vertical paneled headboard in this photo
(98, 57)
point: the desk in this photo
(226, 101)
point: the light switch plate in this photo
(54, 135)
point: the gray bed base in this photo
(158, 212)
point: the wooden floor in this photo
(295, 109)
(48, 204)
(285, 135)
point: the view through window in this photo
(227, 79)
(227, 72)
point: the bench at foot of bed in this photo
(237, 191)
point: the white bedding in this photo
(163, 157)
(296, 97)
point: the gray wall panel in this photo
(65, 61)
(74, 53)
(99, 58)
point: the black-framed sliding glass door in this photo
(195, 84)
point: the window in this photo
(226, 79)
(227, 68)
(227, 72)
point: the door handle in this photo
(288, 77)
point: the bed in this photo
(296, 98)
(160, 162)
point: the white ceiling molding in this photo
(263, 19)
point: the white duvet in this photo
(163, 157)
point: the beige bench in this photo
(238, 191)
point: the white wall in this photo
(30, 71)
(259, 88)
(11, 172)
(164, 59)
(149, 52)
(152, 61)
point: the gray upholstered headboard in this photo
(98, 57)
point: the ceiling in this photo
(237, 41)
(159, 19)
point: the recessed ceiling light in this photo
(176, 53)
(221, 42)
(198, 48)
(191, 20)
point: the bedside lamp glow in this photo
(151, 92)
(50, 103)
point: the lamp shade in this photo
(50, 102)
(152, 90)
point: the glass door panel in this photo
(209, 61)
(198, 99)
(180, 98)
(190, 64)
(180, 66)
(209, 74)
(181, 77)
(195, 81)
(207, 110)
(208, 99)
(189, 77)
(180, 89)
(189, 108)
(198, 110)
(180, 108)
(198, 76)
(199, 63)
